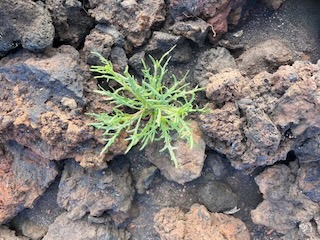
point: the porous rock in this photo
(70, 20)
(265, 56)
(33, 29)
(34, 111)
(64, 228)
(285, 205)
(258, 121)
(211, 62)
(198, 223)
(217, 13)
(24, 176)
(131, 18)
(190, 160)
(194, 30)
(87, 191)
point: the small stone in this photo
(69, 102)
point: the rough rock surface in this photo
(285, 191)
(24, 176)
(83, 191)
(217, 13)
(190, 160)
(211, 62)
(64, 228)
(7, 234)
(101, 40)
(70, 20)
(257, 122)
(33, 28)
(198, 223)
(265, 56)
(42, 107)
(132, 19)
(194, 30)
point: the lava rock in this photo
(145, 179)
(34, 112)
(273, 4)
(284, 205)
(265, 56)
(8, 234)
(26, 23)
(133, 20)
(194, 30)
(211, 62)
(173, 223)
(64, 228)
(24, 176)
(94, 192)
(70, 20)
(190, 161)
(309, 180)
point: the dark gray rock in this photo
(135, 62)
(161, 41)
(94, 192)
(309, 180)
(119, 59)
(64, 228)
(101, 40)
(133, 20)
(24, 176)
(211, 62)
(26, 23)
(71, 21)
(285, 205)
(145, 179)
(217, 197)
(194, 30)
(309, 150)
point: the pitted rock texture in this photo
(64, 228)
(42, 105)
(198, 223)
(131, 18)
(33, 27)
(86, 191)
(265, 56)
(194, 30)
(285, 191)
(70, 20)
(258, 121)
(217, 13)
(24, 176)
(190, 160)
(211, 62)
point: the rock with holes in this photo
(198, 223)
(24, 176)
(288, 197)
(33, 27)
(133, 19)
(87, 191)
(42, 107)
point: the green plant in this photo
(148, 111)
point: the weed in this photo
(148, 111)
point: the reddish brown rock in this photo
(258, 121)
(198, 223)
(43, 103)
(190, 160)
